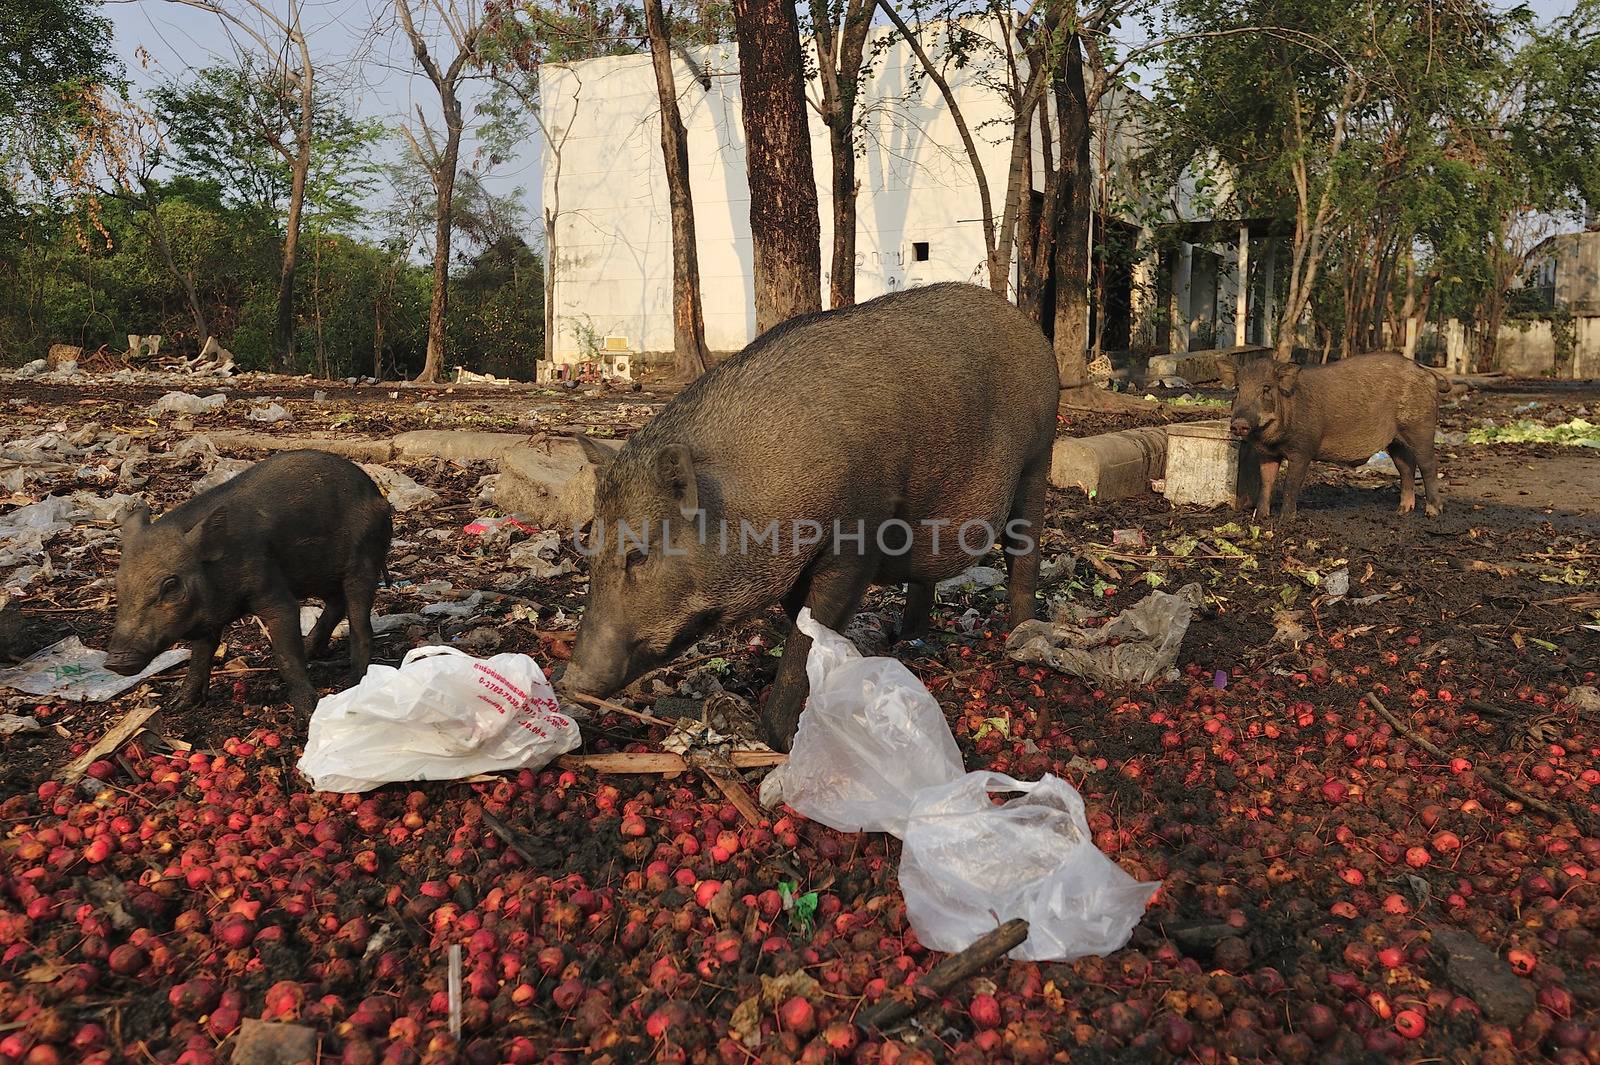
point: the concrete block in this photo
(1112, 465)
(1208, 466)
(353, 449)
(550, 484)
(457, 446)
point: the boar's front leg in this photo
(835, 591)
(918, 617)
(281, 614)
(1296, 477)
(202, 656)
(327, 621)
(1269, 477)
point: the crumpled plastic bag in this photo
(1149, 634)
(442, 715)
(401, 491)
(874, 752)
(1033, 857)
(69, 670)
(187, 403)
(870, 738)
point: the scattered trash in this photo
(25, 532)
(975, 579)
(222, 471)
(270, 413)
(273, 1043)
(492, 526)
(1129, 538)
(1219, 680)
(14, 723)
(442, 715)
(186, 403)
(1138, 646)
(69, 670)
(969, 621)
(541, 555)
(875, 753)
(460, 608)
(1578, 432)
(1336, 585)
(1288, 628)
(402, 492)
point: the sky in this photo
(359, 45)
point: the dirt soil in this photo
(1316, 860)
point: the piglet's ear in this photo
(209, 538)
(1288, 377)
(135, 522)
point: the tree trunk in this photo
(839, 56)
(784, 226)
(300, 167)
(550, 265)
(185, 278)
(443, 226)
(1074, 203)
(688, 320)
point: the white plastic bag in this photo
(874, 753)
(871, 737)
(967, 861)
(442, 715)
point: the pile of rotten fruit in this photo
(1372, 813)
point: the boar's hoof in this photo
(1433, 510)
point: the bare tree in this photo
(784, 227)
(460, 21)
(281, 43)
(688, 319)
(839, 28)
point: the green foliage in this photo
(235, 127)
(51, 51)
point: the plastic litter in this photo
(442, 715)
(14, 723)
(977, 578)
(402, 492)
(69, 670)
(541, 555)
(270, 413)
(1337, 584)
(1033, 857)
(492, 526)
(874, 753)
(187, 403)
(1148, 636)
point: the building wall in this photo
(605, 179)
(1568, 265)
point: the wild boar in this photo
(888, 443)
(298, 525)
(1344, 412)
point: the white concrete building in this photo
(919, 215)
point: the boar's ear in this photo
(210, 537)
(1288, 376)
(595, 451)
(135, 522)
(676, 470)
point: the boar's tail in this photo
(1442, 382)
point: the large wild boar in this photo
(887, 443)
(1344, 412)
(298, 525)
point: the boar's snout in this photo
(127, 659)
(601, 663)
(1241, 427)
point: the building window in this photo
(919, 251)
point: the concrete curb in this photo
(1111, 465)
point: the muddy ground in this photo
(1318, 866)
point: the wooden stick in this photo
(1489, 778)
(947, 974)
(120, 733)
(505, 832)
(736, 794)
(661, 761)
(617, 708)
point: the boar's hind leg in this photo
(836, 588)
(1428, 463)
(327, 621)
(202, 656)
(915, 622)
(1024, 526)
(281, 614)
(359, 590)
(1406, 463)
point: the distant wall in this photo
(1529, 348)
